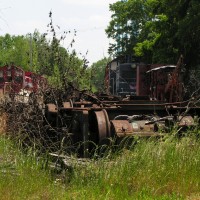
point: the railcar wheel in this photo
(103, 125)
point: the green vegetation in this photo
(149, 31)
(156, 31)
(98, 73)
(34, 52)
(22, 177)
(44, 55)
(150, 169)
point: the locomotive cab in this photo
(139, 80)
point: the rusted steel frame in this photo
(122, 127)
(52, 114)
(146, 104)
(178, 103)
(137, 107)
(142, 134)
(144, 107)
(131, 106)
(138, 128)
(81, 134)
(185, 121)
(141, 102)
(85, 132)
(75, 109)
(68, 104)
(110, 102)
(82, 103)
(184, 108)
(52, 108)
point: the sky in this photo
(88, 17)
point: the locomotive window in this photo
(8, 73)
(18, 79)
(19, 73)
(30, 85)
(1, 79)
(9, 77)
(128, 73)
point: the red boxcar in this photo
(34, 81)
(13, 79)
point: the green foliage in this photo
(97, 74)
(23, 51)
(63, 64)
(160, 30)
(125, 25)
(14, 49)
(44, 54)
(146, 47)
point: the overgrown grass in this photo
(22, 176)
(151, 169)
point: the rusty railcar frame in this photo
(96, 121)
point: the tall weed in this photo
(166, 168)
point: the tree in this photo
(66, 68)
(163, 29)
(189, 31)
(97, 71)
(159, 34)
(125, 25)
(14, 49)
(42, 52)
